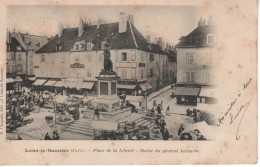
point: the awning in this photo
(87, 85)
(18, 79)
(134, 98)
(207, 92)
(183, 91)
(146, 86)
(9, 80)
(39, 82)
(58, 84)
(121, 86)
(50, 83)
(31, 78)
(104, 125)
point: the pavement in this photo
(177, 112)
(39, 127)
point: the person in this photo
(162, 124)
(19, 138)
(152, 111)
(166, 134)
(47, 137)
(172, 86)
(55, 135)
(198, 116)
(96, 114)
(161, 106)
(188, 112)
(158, 109)
(168, 111)
(180, 130)
(125, 133)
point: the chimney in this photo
(122, 22)
(130, 18)
(160, 42)
(147, 37)
(80, 28)
(211, 21)
(100, 21)
(201, 22)
(8, 37)
(167, 49)
(60, 30)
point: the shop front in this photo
(186, 95)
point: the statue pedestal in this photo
(107, 101)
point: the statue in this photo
(108, 65)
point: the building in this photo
(76, 55)
(20, 50)
(195, 64)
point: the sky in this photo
(168, 22)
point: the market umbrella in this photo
(206, 130)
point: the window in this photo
(89, 46)
(133, 56)
(19, 68)
(104, 45)
(113, 88)
(151, 57)
(142, 57)
(123, 73)
(151, 72)
(124, 56)
(19, 57)
(89, 72)
(8, 48)
(19, 48)
(103, 88)
(142, 73)
(133, 73)
(190, 76)
(42, 58)
(190, 58)
(210, 39)
(77, 47)
(89, 58)
(116, 55)
(59, 47)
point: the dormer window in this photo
(89, 46)
(42, 58)
(210, 38)
(19, 48)
(59, 47)
(104, 45)
(8, 48)
(78, 46)
(38, 44)
(28, 43)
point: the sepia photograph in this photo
(107, 73)
(128, 82)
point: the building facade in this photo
(20, 50)
(79, 53)
(195, 64)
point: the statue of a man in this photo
(108, 65)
